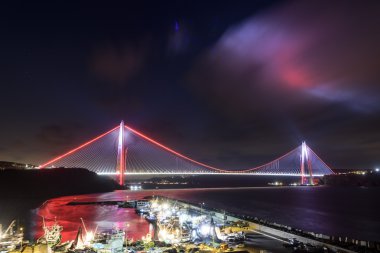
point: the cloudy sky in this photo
(233, 84)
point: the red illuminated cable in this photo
(194, 161)
(172, 151)
(165, 148)
(76, 149)
(321, 160)
(259, 167)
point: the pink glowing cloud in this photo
(317, 50)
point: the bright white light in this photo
(183, 217)
(377, 169)
(163, 234)
(205, 229)
(89, 237)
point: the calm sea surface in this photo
(340, 211)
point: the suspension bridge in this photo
(125, 151)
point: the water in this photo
(101, 217)
(352, 212)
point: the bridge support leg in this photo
(121, 155)
(302, 160)
(309, 168)
(305, 158)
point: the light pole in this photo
(202, 204)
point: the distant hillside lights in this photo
(365, 172)
(360, 171)
(135, 187)
(14, 165)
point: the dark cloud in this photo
(116, 65)
(55, 139)
(54, 135)
(179, 38)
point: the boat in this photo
(88, 241)
(52, 234)
(11, 239)
(109, 241)
(151, 218)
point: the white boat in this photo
(109, 241)
(11, 239)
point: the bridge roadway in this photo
(209, 173)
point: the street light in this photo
(202, 204)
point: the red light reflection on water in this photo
(104, 216)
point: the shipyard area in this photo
(174, 227)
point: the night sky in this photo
(229, 83)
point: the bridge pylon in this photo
(305, 159)
(121, 155)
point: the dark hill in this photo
(22, 190)
(48, 183)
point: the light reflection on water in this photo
(104, 217)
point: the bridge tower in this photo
(305, 158)
(121, 155)
(302, 163)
